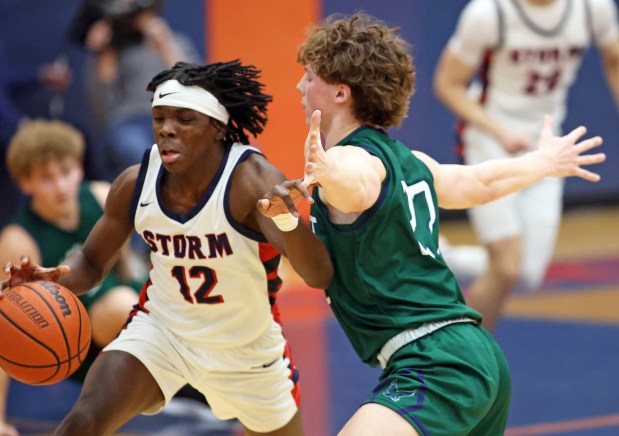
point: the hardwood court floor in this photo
(585, 233)
(588, 244)
(562, 342)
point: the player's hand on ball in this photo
(28, 272)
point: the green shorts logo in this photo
(395, 394)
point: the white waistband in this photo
(410, 335)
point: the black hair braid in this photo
(234, 85)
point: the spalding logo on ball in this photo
(44, 332)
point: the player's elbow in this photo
(466, 198)
(438, 87)
(477, 188)
(442, 86)
(322, 277)
(485, 195)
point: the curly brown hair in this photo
(368, 56)
(40, 141)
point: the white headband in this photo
(173, 93)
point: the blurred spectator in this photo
(56, 77)
(45, 160)
(129, 42)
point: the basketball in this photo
(44, 332)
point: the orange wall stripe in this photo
(267, 34)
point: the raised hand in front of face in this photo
(315, 154)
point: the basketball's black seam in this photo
(58, 362)
(79, 335)
(68, 341)
(64, 333)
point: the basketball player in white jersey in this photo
(527, 54)
(207, 316)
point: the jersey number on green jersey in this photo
(422, 234)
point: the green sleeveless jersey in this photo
(54, 243)
(389, 274)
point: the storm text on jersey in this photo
(187, 246)
(550, 55)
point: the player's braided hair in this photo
(235, 86)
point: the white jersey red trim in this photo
(532, 54)
(212, 281)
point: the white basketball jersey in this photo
(210, 277)
(533, 58)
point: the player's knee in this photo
(505, 262)
(507, 273)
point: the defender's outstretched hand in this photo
(566, 154)
(315, 159)
(283, 198)
(28, 272)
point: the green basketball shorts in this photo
(452, 382)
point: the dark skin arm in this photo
(86, 267)
(306, 253)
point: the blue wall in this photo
(33, 32)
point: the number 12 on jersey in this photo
(202, 294)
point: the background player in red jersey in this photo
(528, 53)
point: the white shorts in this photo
(256, 383)
(533, 214)
(536, 209)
